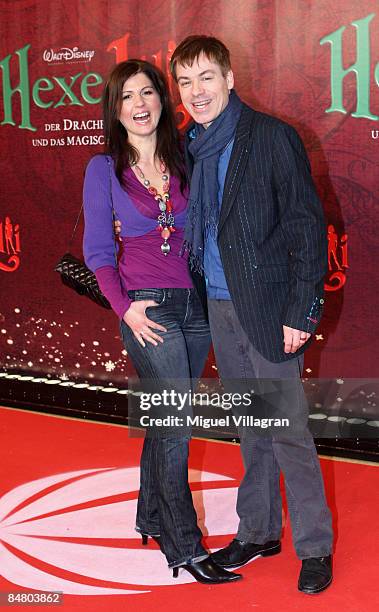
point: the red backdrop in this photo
(288, 58)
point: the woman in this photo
(162, 322)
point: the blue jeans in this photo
(165, 505)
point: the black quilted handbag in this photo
(74, 272)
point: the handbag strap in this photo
(108, 158)
(75, 228)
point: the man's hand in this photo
(117, 228)
(141, 326)
(294, 339)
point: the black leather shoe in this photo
(238, 553)
(208, 572)
(316, 574)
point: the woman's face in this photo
(141, 106)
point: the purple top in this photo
(142, 264)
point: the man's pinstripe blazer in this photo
(271, 234)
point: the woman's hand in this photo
(141, 325)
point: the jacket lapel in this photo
(237, 163)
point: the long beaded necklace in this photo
(166, 219)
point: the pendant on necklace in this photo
(165, 233)
(166, 218)
(165, 248)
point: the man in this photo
(256, 228)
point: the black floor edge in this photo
(363, 449)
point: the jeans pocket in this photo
(157, 295)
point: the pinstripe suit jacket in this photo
(271, 233)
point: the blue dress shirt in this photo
(217, 288)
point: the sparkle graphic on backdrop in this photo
(62, 522)
(53, 341)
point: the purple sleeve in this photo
(98, 242)
(109, 283)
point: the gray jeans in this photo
(259, 504)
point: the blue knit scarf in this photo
(203, 208)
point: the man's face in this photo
(204, 89)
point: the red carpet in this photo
(69, 492)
